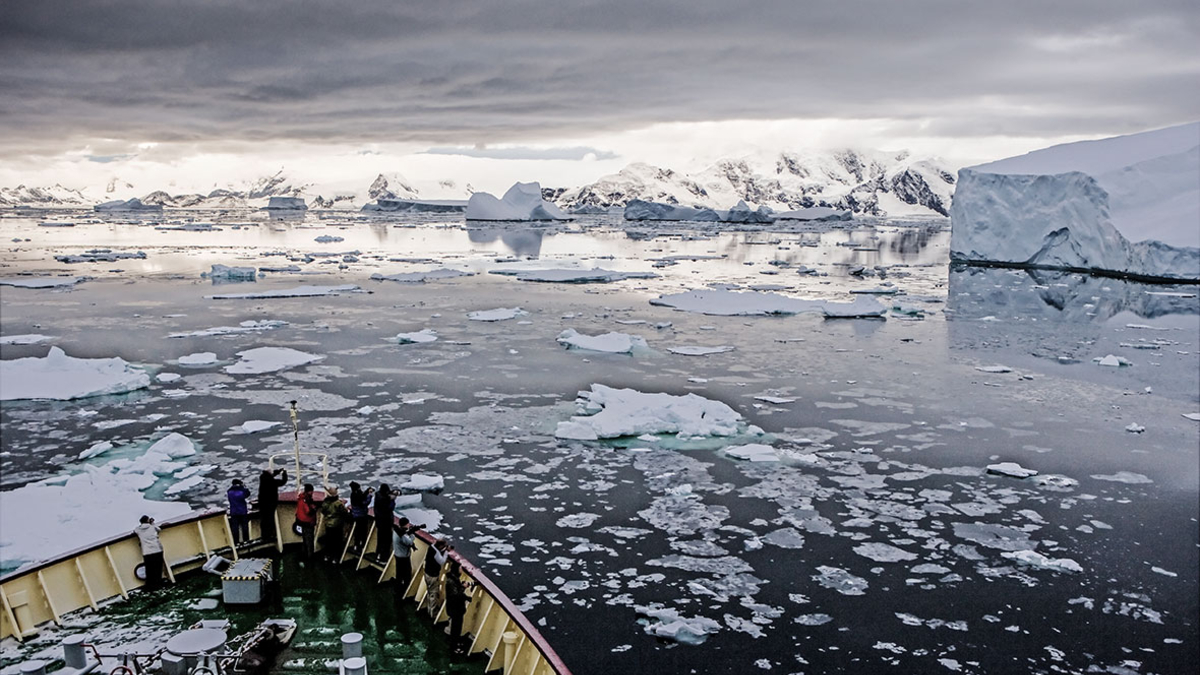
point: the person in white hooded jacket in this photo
(152, 551)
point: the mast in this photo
(296, 438)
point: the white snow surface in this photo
(269, 360)
(1011, 469)
(40, 282)
(627, 412)
(522, 201)
(753, 452)
(80, 508)
(421, 277)
(297, 292)
(1126, 204)
(612, 343)
(60, 377)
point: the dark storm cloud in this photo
(478, 73)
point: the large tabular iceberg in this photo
(1128, 205)
(523, 201)
(61, 377)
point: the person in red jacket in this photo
(306, 518)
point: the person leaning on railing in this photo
(152, 551)
(269, 483)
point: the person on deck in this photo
(385, 506)
(435, 557)
(152, 551)
(403, 544)
(360, 506)
(306, 518)
(334, 515)
(269, 483)
(239, 511)
(458, 595)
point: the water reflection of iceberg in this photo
(1022, 295)
(521, 241)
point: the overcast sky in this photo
(567, 88)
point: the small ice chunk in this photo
(754, 452)
(697, 350)
(421, 336)
(197, 359)
(96, 449)
(419, 482)
(269, 360)
(1135, 428)
(993, 369)
(167, 377)
(611, 343)
(255, 426)
(1011, 469)
(880, 552)
(1111, 361)
(328, 239)
(1124, 477)
(1159, 570)
(840, 580)
(498, 314)
(233, 273)
(1035, 559)
(774, 400)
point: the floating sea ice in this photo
(421, 277)
(861, 308)
(573, 276)
(96, 449)
(785, 537)
(731, 303)
(1035, 559)
(1011, 469)
(880, 552)
(60, 377)
(667, 623)
(269, 360)
(232, 273)
(1159, 570)
(696, 350)
(28, 339)
(754, 452)
(1124, 477)
(1056, 482)
(813, 619)
(197, 359)
(419, 482)
(255, 426)
(840, 580)
(1195, 417)
(243, 327)
(1000, 537)
(296, 292)
(993, 369)
(929, 568)
(611, 343)
(1112, 361)
(627, 412)
(40, 282)
(774, 400)
(328, 239)
(498, 314)
(167, 377)
(426, 335)
(578, 520)
(1135, 428)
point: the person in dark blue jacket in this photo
(239, 511)
(385, 506)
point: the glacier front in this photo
(1128, 205)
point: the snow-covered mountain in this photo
(871, 183)
(53, 196)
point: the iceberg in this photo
(595, 275)
(1126, 206)
(227, 273)
(61, 378)
(628, 412)
(638, 209)
(523, 201)
(134, 204)
(40, 282)
(422, 277)
(286, 204)
(416, 205)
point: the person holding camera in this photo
(435, 558)
(152, 551)
(385, 508)
(360, 506)
(403, 544)
(269, 483)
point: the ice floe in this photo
(1112, 361)
(296, 292)
(753, 452)
(573, 276)
(27, 339)
(197, 359)
(40, 282)
(421, 336)
(498, 314)
(1011, 469)
(840, 580)
(421, 277)
(697, 350)
(612, 343)
(668, 624)
(1035, 559)
(269, 360)
(1124, 477)
(227, 273)
(60, 377)
(721, 302)
(880, 552)
(613, 413)
(249, 326)
(255, 426)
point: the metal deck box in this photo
(245, 582)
